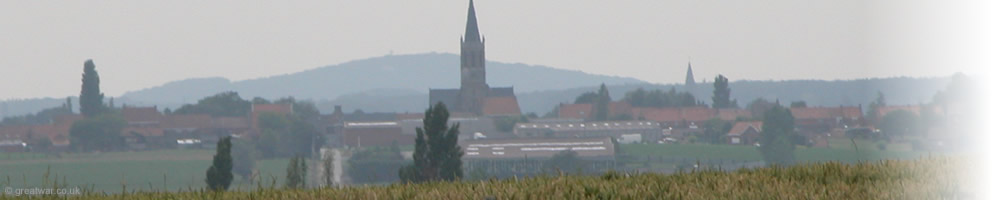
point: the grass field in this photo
(170, 169)
(182, 169)
(839, 150)
(936, 178)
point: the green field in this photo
(839, 150)
(170, 169)
(182, 169)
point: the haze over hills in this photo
(399, 83)
(898, 91)
(385, 75)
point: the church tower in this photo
(689, 81)
(473, 67)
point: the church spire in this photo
(471, 26)
(689, 81)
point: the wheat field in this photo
(926, 178)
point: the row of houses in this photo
(678, 117)
(145, 128)
(55, 134)
(814, 123)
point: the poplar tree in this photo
(601, 108)
(720, 95)
(91, 98)
(295, 176)
(436, 154)
(776, 144)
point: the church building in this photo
(474, 95)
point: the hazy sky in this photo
(140, 44)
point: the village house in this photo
(361, 129)
(745, 133)
(827, 121)
(142, 128)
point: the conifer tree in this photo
(220, 174)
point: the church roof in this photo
(502, 92)
(450, 96)
(506, 105)
(471, 26)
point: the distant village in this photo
(493, 129)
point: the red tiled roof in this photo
(195, 121)
(15, 132)
(691, 114)
(811, 113)
(141, 114)
(506, 105)
(230, 122)
(576, 111)
(826, 112)
(48, 131)
(882, 111)
(851, 112)
(582, 111)
(144, 131)
(618, 108)
(66, 119)
(58, 134)
(733, 114)
(741, 127)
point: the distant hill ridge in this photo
(415, 72)
(399, 83)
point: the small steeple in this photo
(471, 26)
(689, 81)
